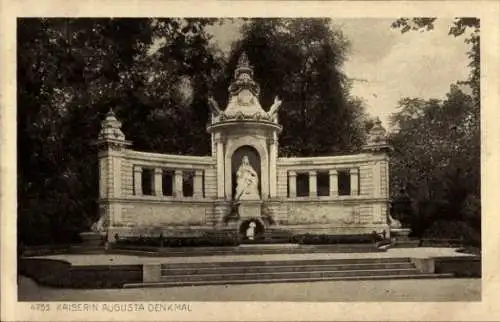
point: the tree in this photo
(300, 61)
(71, 72)
(436, 158)
(451, 175)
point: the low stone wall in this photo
(334, 217)
(57, 273)
(467, 266)
(143, 216)
(464, 266)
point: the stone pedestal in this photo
(92, 242)
(250, 209)
(400, 234)
(92, 239)
(222, 209)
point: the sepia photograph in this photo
(244, 159)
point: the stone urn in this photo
(96, 237)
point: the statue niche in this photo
(246, 174)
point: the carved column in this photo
(313, 184)
(138, 181)
(272, 167)
(292, 184)
(376, 177)
(334, 183)
(220, 167)
(158, 182)
(178, 184)
(198, 184)
(354, 181)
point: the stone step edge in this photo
(283, 262)
(360, 271)
(244, 251)
(287, 280)
(219, 268)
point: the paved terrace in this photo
(110, 259)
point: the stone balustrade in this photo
(331, 187)
(168, 182)
(338, 177)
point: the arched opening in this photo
(236, 160)
(251, 230)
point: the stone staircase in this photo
(290, 271)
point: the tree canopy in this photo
(437, 148)
(300, 61)
(157, 79)
(71, 72)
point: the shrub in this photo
(313, 239)
(457, 230)
(207, 239)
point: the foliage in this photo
(336, 239)
(207, 239)
(454, 230)
(300, 61)
(437, 145)
(437, 158)
(71, 72)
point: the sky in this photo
(388, 65)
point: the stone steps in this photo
(290, 271)
(280, 269)
(284, 280)
(286, 275)
(291, 262)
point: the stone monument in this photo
(242, 180)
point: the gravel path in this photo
(384, 290)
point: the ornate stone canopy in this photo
(243, 102)
(244, 93)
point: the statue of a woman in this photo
(246, 182)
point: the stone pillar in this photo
(178, 183)
(220, 168)
(376, 177)
(272, 168)
(158, 182)
(313, 184)
(334, 183)
(198, 184)
(292, 184)
(354, 181)
(138, 181)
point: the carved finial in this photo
(377, 138)
(243, 60)
(243, 67)
(111, 127)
